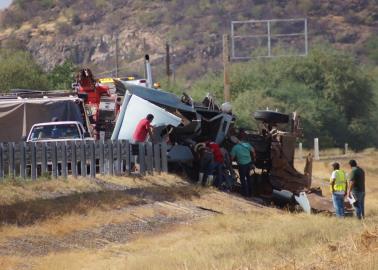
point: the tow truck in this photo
(103, 99)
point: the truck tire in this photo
(271, 117)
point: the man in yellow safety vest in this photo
(339, 185)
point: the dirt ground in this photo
(165, 222)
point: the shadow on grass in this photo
(29, 212)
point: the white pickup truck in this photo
(58, 131)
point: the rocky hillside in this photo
(85, 30)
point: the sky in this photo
(5, 3)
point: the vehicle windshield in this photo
(62, 131)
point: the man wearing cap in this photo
(338, 185)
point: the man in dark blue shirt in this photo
(357, 188)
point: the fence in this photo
(316, 153)
(84, 158)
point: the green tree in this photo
(248, 102)
(331, 91)
(62, 76)
(19, 70)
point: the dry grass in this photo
(244, 237)
(84, 204)
(19, 190)
(15, 191)
(70, 223)
(254, 241)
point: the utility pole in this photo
(173, 64)
(226, 68)
(116, 55)
(167, 62)
(145, 53)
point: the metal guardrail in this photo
(80, 158)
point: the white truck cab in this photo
(57, 131)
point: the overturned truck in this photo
(275, 143)
(178, 120)
(184, 123)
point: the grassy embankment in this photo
(244, 237)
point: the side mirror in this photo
(86, 135)
(23, 138)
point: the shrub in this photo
(372, 49)
(328, 88)
(19, 70)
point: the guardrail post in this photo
(142, 158)
(83, 159)
(157, 160)
(346, 146)
(2, 161)
(93, 159)
(11, 161)
(300, 152)
(34, 161)
(64, 159)
(101, 159)
(73, 159)
(164, 158)
(44, 158)
(54, 159)
(23, 160)
(149, 158)
(111, 157)
(119, 157)
(128, 156)
(316, 149)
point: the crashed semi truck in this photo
(184, 123)
(187, 123)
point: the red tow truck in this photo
(102, 104)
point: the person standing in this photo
(338, 185)
(357, 188)
(218, 162)
(143, 129)
(243, 152)
(206, 160)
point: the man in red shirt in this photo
(217, 166)
(143, 129)
(218, 156)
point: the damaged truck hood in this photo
(135, 109)
(158, 97)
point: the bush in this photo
(372, 49)
(19, 70)
(328, 88)
(62, 76)
(150, 19)
(248, 102)
(64, 28)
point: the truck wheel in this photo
(271, 117)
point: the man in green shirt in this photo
(357, 188)
(243, 152)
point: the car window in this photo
(62, 131)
